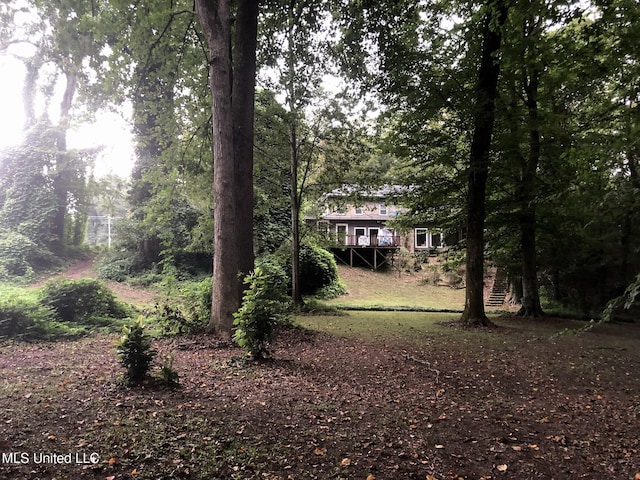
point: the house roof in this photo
(365, 217)
(367, 192)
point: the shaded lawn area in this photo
(368, 395)
(392, 289)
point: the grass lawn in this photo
(392, 289)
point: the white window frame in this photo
(382, 208)
(359, 210)
(345, 238)
(427, 235)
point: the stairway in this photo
(499, 290)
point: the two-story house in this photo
(364, 223)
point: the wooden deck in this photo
(372, 256)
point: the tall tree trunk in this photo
(232, 151)
(294, 154)
(530, 290)
(243, 105)
(484, 116)
(29, 90)
(61, 179)
(296, 293)
(215, 17)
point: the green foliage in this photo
(318, 269)
(627, 300)
(21, 257)
(23, 316)
(116, 265)
(82, 301)
(134, 351)
(167, 374)
(264, 305)
(187, 309)
(333, 290)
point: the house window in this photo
(342, 233)
(359, 211)
(437, 240)
(422, 238)
(323, 227)
(382, 209)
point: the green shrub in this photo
(187, 310)
(82, 301)
(22, 316)
(167, 373)
(333, 290)
(134, 351)
(318, 268)
(19, 316)
(20, 257)
(116, 266)
(264, 305)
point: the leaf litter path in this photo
(84, 269)
(463, 404)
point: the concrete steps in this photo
(499, 291)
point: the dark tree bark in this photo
(530, 290)
(484, 117)
(243, 105)
(296, 293)
(232, 151)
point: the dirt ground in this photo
(511, 403)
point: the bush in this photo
(116, 266)
(21, 257)
(189, 310)
(167, 373)
(333, 290)
(135, 352)
(318, 268)
(18, 317)
(264, 305)
(82, 301)
(22, 316)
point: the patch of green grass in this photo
(423, 327)
(10, 291)
(371, 325)
(389, 289)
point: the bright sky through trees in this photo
(109, 129)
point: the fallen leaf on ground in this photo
(345, 462)
(501, 468)
(320, 451)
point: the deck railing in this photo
(367, 241)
